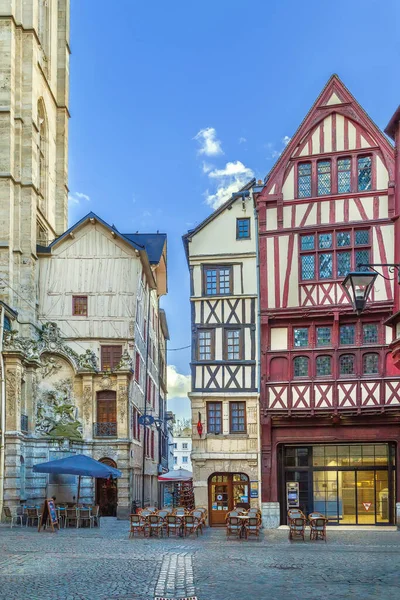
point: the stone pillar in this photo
(124, 496)
(88, 406)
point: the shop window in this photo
(347, 334)
(80, 306)
(364, 165)
(347, 364)
(300, 337)
(370, 333)
(301, 366)
(110, 357)
(304, 180)
(218, 281)
(324, 177)
(242, 229)
(214, 417)
(206, 344)
(371, 364)
(237, 417)
(323, 366)
(344, 175)
(324, 336)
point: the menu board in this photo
(49, 513)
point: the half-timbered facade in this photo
(221, 254)
(329, 388)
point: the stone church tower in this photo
(34, 89)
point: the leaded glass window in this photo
(307, 267)
(325, 240)
(347, 334)
(370, 364)
(300, 337)
(346, 364)
(323, 366)
(370, 333)
(344, 175)
(325, 265)
(304, 180)
(324, 336)
(362, 258)
(343, 263)
(301, 366)
(362, 237)
(364, 173)
(324, 177)
(343, 238)
(307, 242)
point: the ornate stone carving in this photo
(107, 383)
(88, 361)
(57, 412)
(50, 365)
(122, 401)
(87, 402)
(126, 362)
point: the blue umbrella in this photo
(78, 464)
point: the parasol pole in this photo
(79, 489)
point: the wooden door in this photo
(107, 492)
(220, 498)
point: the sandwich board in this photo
(49, 512)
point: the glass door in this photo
(347, 497)
(219, 494)
(366, 497)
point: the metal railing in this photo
(104, 429)
(24, 423)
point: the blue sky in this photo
(175, 103)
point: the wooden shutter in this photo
(110, 357)
(106, 407)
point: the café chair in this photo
(138, 525)
(95, 516)
(173, 524)
(317, 526)
(233, 527)
(84, 516)
(72, 514)
(12, 516)
(32, 515)
(155, 523)
(252, 526)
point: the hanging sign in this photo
(367, 505)
(49, 513)
(253, 489)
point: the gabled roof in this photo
(152, 242)
(187, 237)
(334, 97)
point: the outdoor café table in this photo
(243, 518)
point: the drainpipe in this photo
(3, 413)
(258, 351)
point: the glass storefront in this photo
(351, 484)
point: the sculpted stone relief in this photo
(57, 414)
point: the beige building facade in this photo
(222, 255)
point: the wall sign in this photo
(219, 497)
(253, 489)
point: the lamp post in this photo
(358, 284)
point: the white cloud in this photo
(207, 167)
(229, 180)
(210, 145)
(77, 197)
(242, 140)
(178, 384)
(286, 140)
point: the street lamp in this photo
(357, 286)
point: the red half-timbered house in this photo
(330, 393)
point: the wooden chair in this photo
(163, 513)
(233, 527)
(252, 526)
(138, 525)
(317, 526)
(173, 524)
(12, 516)
(95, 516)
(72, 514)
(297, 526)
(32, 515)
(85, 516)
(192, 524)
(180, 511)
(155, 523)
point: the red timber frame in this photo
(355, 414)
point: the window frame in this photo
(208, 404)
(243, 237)
(241, 343)
(334, 251)
(308, 376)
(344, 375)
(244, 431)
(212, 344)
(317, 376)
(103, 347)
(378, 372)
(218, 269)
(75, 301)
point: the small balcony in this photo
(24, 423)
(105, 430)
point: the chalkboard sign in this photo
(49, 513)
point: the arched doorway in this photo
(107, 492)
(226, 490)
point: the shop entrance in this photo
(350, 484)
(226, 490)
(107, 492)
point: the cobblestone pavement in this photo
(104, 564)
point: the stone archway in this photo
(107, 492)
